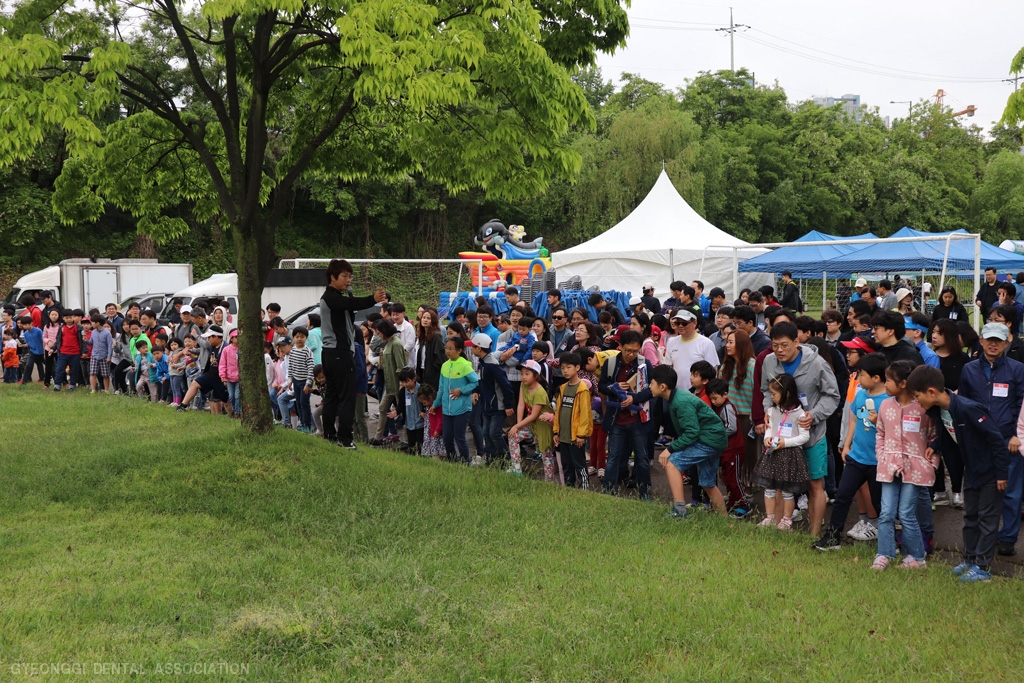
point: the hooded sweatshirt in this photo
(815, 382)
(456, 374)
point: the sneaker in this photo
(593, 470)
(880, 563)
(514, 472)
(940, 499)
(801, 502)
(477, 461)
(376, 442)
(856, 529)
(976, 575)
(911, 563)
(767, 522)
(798, 514)
(347, 446)
(600, 472)
(868, 532)
(739, 512)
(1006, 549)
(962, 568)
(677, 513)
(181, 408)
(827, 542)
(56, 388)
(958, 501)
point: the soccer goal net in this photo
(411, 281)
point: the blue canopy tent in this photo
(804, 262)
(911, 257)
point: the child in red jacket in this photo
(732, 458)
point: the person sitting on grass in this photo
(860, 463)
(700, 441)
(969, 430)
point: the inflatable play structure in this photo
(508, 259)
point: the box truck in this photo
(93, 283)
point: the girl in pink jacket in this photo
(903, 432)
(227, 366)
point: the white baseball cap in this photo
(861, 282)
(185, 309)
(482, 340)
(635, 300)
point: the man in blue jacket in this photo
(996, 382)
(968, 429)
(627, 418)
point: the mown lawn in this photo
(133, 534)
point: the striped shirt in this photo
(300, 366)
(741, 397)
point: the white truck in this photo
(93, 283)
(293, 289)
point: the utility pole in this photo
(732, 39)
(909, 103)
(1013, 80)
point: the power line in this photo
(732, 39)
(873, 69)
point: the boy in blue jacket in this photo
(522, 340)
(968, 429)
(496, 395)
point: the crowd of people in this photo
(873, 405)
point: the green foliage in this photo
(998, 201)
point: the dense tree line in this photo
(742, 155)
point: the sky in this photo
(883, 51)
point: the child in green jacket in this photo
(455, 399)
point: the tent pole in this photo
(945, 258)
(824, 289)
(735, 273)
(977, 277)
(703, 256)
(672, 264)
(923, 306)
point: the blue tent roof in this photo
(804, 261)
(916, 256)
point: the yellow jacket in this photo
(582, 416)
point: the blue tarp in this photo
(804, 262)
(911, 257)
(577, 298)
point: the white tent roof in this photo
(661, 235)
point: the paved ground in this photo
(948, 520)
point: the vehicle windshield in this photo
(12, 296)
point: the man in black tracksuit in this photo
(964, 426)
(337, 316)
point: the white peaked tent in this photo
(662, 240)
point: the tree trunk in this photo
(144, 246)
(253, 265)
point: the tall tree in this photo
(228, 104)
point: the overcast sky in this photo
(882, 51)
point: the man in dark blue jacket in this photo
(996, 382)
(627, 416)
(966, 428)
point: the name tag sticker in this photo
(1002, 390)
(786, 430)
(911, 424)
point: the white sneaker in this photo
(478, 460)
(852, 533)
(798, 514)
(940, 499)
(870, 532)
(801, 502)
(958, 500)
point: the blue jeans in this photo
(901, 498)
(178, 387)
(67, 363)
(10, 375)
(1011, 501)
(623, 440)
(233, 396)
(453, 429)
(273, 404)
(302, 404)
(285, 404)
(476, 427)
(495, 445)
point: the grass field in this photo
(133, 534)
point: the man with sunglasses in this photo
(562, 340)
(687, 347)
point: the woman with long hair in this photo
(738, 370)
(970, 342)
(952, 358)
(430, 352)
(949, 306)
(641, 324)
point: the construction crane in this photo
(940, 96)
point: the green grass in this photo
(130, 533)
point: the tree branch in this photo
(298, 52)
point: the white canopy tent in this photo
(662, 240)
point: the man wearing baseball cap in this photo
(209, 380)
(687, 347)
(187, 326)
(997, 383)
(651, 302)
(916, 325)
(496, 397)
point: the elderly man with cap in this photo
(209, 380)
(187, 326)
(997, 383)
(687, 347)
(650, 301)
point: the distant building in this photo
(850, 103)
